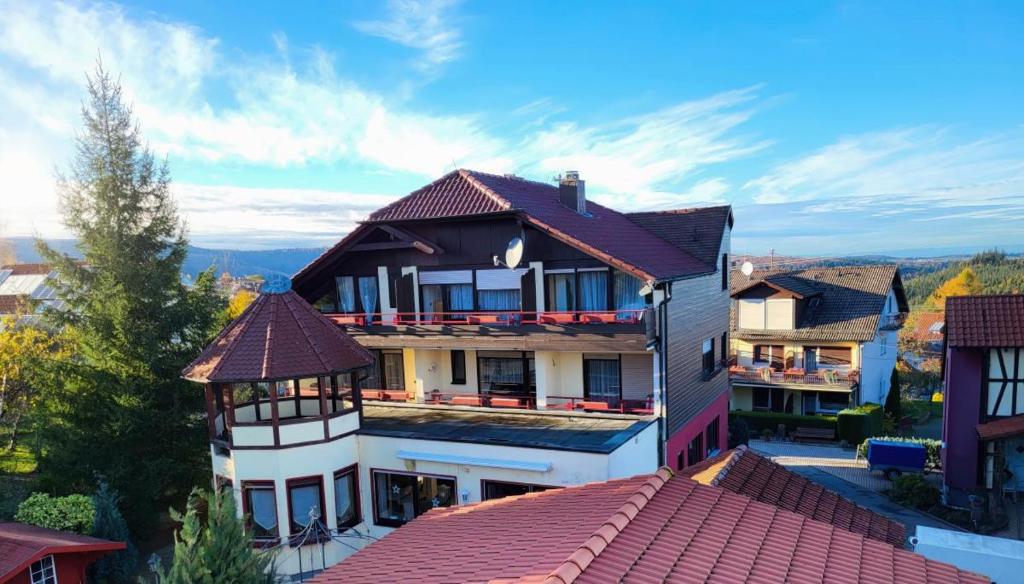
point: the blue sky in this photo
(833, 128)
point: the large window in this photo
(458, 367)
(43, 571)
(602, 380)
(711, 437)
(346, 497)
(833, 401)
(368, 295)
(389, 372)
(439, 299)
(762, 399)
(695, 450)
(708, 357)
(772, 355)
(401, 497)
(593, 290)
(500, 489)
(499, 299)
(346, 293)
(305, 503)
(561, 292)
(506, 372)
(626, 295)
(259, 503)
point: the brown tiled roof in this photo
(985, 321)
(849, 300)
(604, 233)
(697, 231)
(27, 269)
(21, 545)
(279, 336)
(923, 323)
(12, 303)
(656, 528)
(1001, 428)
(746, 473)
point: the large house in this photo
(983, 408)
(815, 340)
(440, 369)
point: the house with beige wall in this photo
(814, 341)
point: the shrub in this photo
(856, 424)
(892, 399)
(757, 422)
(71, 513)
(739, 432)
(933, 460)
(912, 490)
(118, 567)
(937, 397)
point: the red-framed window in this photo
(305, 504)
(400, 497)
(346, 497)
(259, 505)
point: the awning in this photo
(1001, 428)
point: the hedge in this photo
(934, 448)
(856, 424)
(71, 513)
(757, 422)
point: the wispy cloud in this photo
(425, 25)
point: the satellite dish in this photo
(747, 268)
(513, 253)
(646, 289)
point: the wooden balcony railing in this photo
(488, 317)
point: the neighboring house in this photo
(37, 555)
(983, 406)
(927, 331)
(653, 528)
(26, 288)
(432, 378)
(815, 340)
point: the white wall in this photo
(877, 360)
(638, 456)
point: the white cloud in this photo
(425, 25)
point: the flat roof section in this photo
(596, 433)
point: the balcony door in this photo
(602, 380)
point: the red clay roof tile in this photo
(985, 321)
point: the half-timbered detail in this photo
(814, 341)
(483, 335)
(983, 422)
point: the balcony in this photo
(892, 322)
(512, 401)
(794, 377)
(503, 318)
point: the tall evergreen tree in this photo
(121, 408)
(119, 567)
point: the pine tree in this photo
(120, 408)
(188, 566)
(119, 567)
(892, 399)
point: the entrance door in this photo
(778, 399)
(810, 359)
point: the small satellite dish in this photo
(747, 268)
(513, 254)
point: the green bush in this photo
(912, 490)
(71, 513)
(856, 424)
(934, 447)
(757, 422)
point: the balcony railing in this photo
(794, 376)
(508, 401)
(488, 317)
(892, 322)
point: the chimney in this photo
(572, 193)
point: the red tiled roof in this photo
(1001, 428)
(746, 473)
(656, 528)
(985, 321)
(279, 336)
(923, 323)
(27, 269)
(610, 236)
(21, 545)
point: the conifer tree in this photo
(188, 566)
(228, 553)
(118, 567)
(120, 408)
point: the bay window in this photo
(346, 497)
(401, 497)
(259, 504)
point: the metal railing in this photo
(487, 317)
(767, 375)
(515, 401)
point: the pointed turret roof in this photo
(279, 336)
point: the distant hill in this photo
(997, 272)
(237, 262)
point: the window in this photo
(43, 571)
(762, 399)
(711, 437)
(368, 295)
(725, 349)
(499, 489)
(695, 450)
(833, 401)
(772, 355)
(458, 367)
(593, 290)
(401, 497)
(602, 380)
(626, 296)
(830, 357)
(440, 300)
(259, 504)
(305, 503)
(561, 292)
(346, 497)
(506, 372)
(680, 460)
(708, 352)
(499, 299)
(389, 372)
(725, 271)
(346, 293)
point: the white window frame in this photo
(37, 571)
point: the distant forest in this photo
(997, 273)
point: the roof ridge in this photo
(677, 211)
(730, 462)
(577, 562)
(234, 325)
(268, 342)
(468, 175)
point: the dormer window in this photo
(767, 313)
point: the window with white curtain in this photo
(626, 292)
(368, 295)
(304, 498)
(602, 380)
(498, 299)
(261, 509)
(593, 290)
(561, 292)
(346, 508)
(346, 293)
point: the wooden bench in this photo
(813, 434)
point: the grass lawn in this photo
(17, 475)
